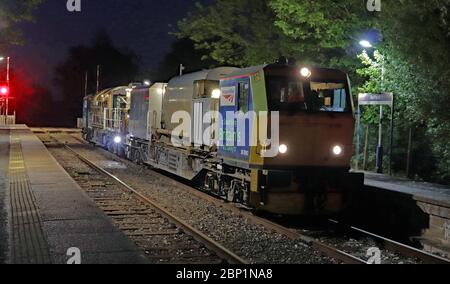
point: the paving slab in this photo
(421, 191)
(55, 206)
(4, 165)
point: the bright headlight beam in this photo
(117, 139)
(337, 150)
(305, 72)
(283, 149)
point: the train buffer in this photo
(45, 217)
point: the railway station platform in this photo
(416, 208)
(421, 191)
(45, 217)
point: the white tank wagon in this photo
(144, 119)
(192, 94)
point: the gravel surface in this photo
(161, 241)
(360, 246)
(250, 241)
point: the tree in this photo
(117, 68)
(322, 25)
(237, 32)
(252, 32)
(415, 49)
(11, 13)
(182, 52)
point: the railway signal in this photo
(4, 90)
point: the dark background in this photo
(144, 26)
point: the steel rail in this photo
(403, 249)
(211, 244)
(293, 235)
(325, 249)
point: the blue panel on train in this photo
(235, 137)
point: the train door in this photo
(235, 131)
(243, 124)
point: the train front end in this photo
(300, 141)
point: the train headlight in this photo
(283, 149)
(337, 150)
(117, 139)
(305, 72)
(215, 94)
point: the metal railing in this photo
(108, 119)
(7, 119)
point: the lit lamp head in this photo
(4, 90)
(305, 72)
(365, 44)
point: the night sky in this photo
(140, 25)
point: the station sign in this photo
(376, 99)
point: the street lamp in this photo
(379, 160)
(365, 44)
(5, 90)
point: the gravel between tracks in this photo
(250, 241)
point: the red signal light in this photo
(4, 90)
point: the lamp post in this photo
(3, 91)
(380, 152)
(8, 59)
(7, 93)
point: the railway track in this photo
(220, 250)
(164, 237)
(324, 247)
(398, 247)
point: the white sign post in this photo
(377, 100)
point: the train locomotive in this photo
(183, 127)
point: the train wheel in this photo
(121, 152)
(231, 195)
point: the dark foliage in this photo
(117, 68)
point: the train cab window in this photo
(286, 94)
(204, 88)
(293, 95)
(243, 97)
(199, 89)
(329, 97)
